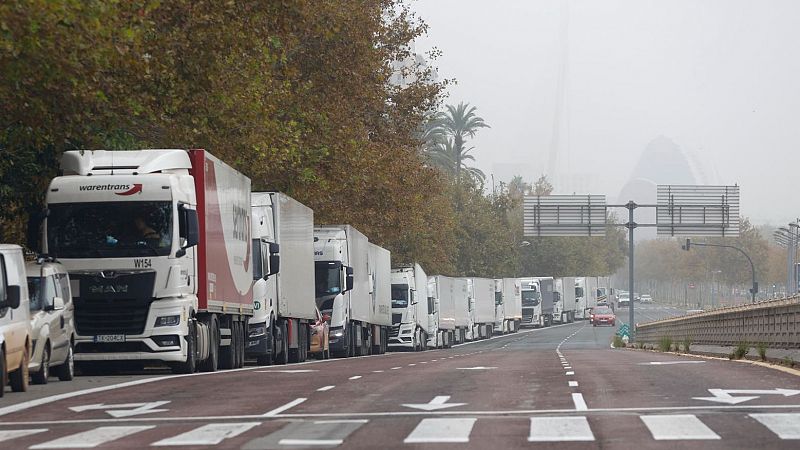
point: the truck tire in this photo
(19, 378)
(190, 365)
(281, 343)
(43, 374)
(240, 349)
(267, 359)
(210, 364)
(2, 372)
(66, 371)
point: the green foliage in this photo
(741, 350)
(665, 344)
(446, 145)
(762, 350)
(618, 342)
(687, 345)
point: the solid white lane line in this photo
(321, 442)
(211, 434)
(570, 373)
(322, 422)
(580, 403)
(573, 384)
(354, 377)
(7, 435)
(93, 438)
(437, 430)
(325, 388)
(285, 407)
(677, 427)
(786, 426)
(560, 429)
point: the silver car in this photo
(52, 321)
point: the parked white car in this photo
(15, 324)
(646, 298)
(52, 322)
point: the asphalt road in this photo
(561, 386)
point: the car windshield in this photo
(603, 311)
(327, 278)
(109, 229)
(399, 296)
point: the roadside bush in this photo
(762, 350)
(687, 343)
(665, 345)
(788, 361)
(742, 349)
(618, 342)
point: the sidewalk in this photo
(773, 354)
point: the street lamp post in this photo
(754, 289)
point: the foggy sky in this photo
(719, 78)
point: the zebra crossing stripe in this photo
(786, 426)
(7, 435)
(448, 430)
(211, 434)
(560, 429)
(93, 438)
(674, 427)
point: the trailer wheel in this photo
(2, 371)
(210, 364)
(241, 344)
(227, 353)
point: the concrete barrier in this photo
(776, 323)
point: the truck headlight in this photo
(168, 321)
(257, 330)
(337, 333)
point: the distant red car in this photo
(602, 316)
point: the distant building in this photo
(404, 72)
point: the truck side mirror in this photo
(274, 258)
(13, 296)
(348, 283)
(58, 303)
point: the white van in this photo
(15, 324)
(52, 321)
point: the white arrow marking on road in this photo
(724, 395)
(124, 409)
(667, 363)
(476, 368)
(438, 402)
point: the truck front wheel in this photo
(210, 363)
(190, 365)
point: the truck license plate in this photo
(110, 338)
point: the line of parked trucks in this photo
(167, 256)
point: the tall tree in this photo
(451, 130)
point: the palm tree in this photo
(446, 136)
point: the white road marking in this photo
(211, 434)
(573, 384)
(724, 395)
(568, 367)
(93, 438)
(441, 431)
(285, 407)
(377, 371)
(124, 409)
(311, 442)
(669, 363)
(570, 373)
(322, 422)
(411, 365)
(288, 371)
(396, 368)
(325, 388)
(476, 368)
(438, 402)
(354, 377)
(786, 426)
(678, 427)
(7, 435)
(580, 403)
(560, 429)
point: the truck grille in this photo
(397, 318)
(527, 317)
(394, 331)
(114, 304)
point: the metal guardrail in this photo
(776, 323)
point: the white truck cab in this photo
(410, 322)
(15, 324)
(52, 321)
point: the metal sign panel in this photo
(698, 210)
(564, 215)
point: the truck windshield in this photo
(399, 296)
(327, 278)
(109, 229)
(530, 297)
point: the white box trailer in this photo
(462, 316)
(508, 305)
(347, 291)
(283, 270)
(441, 289)
(585, 296)
(411, 324)
(380, 318)
(564, 310)
(482, 306)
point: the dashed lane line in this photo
(354, 377)
(325, 388)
